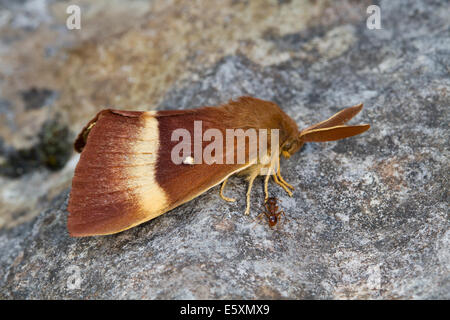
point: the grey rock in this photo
(369, 218)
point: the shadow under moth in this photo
(127, 174)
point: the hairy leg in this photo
(281, 178)
(266, 184)
(251, 179)
(289, 192)
(224, 183)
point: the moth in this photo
(135, 166)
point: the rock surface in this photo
(369, 218)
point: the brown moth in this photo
(126, 174)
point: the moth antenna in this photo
(338, 119)
(333, 133)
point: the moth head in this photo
(291, 146)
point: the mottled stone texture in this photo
(369, 217)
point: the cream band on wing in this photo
(152, 198)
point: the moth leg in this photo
(284, 181)
(289, 192)
(221, 192)
(269, 172)
(281, 178)
(253, 175)
(266, 185)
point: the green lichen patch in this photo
(52, 151)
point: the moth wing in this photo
(125, 175)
